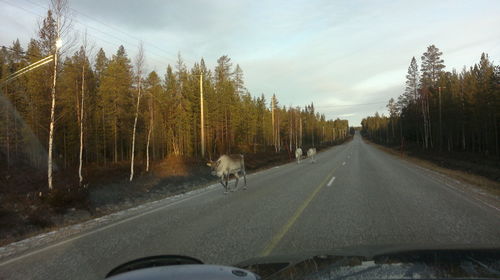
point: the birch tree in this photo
(139, 65)
(60, 8)
(83, 56)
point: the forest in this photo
(443, 112)
(93, 109)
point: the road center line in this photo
(277, 238)
(50, 245)
(331, 181)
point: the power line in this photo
(114, 28)
(65, 64)
(123, 32)
(120, 40)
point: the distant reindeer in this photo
(311, 153)
(298, 155)
(227, 165)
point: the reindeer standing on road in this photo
(298, 155)
(227, 165)
(311, 153)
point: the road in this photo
(354, 195)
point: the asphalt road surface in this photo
(354, 195)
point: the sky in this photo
(346, 57)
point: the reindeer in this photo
(311, 153)
(227, 165)
(298, 155)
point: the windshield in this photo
(234, 130)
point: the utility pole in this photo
(272, 119)
(323, 138)
(202, 117)
(313, 136)
(312, 131)
(300, 128)
(440, 121)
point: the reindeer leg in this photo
(245, 178)
(236, 184)
(222, 179)
(227, 181)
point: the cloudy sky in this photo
(347, 57)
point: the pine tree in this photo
(432, 66)
(409, 99)
(101, 63)
(393, 115)
(115, 87)
(153, 91)
(225, 93)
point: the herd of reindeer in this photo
(234, 164)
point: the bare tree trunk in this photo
(290, 136)
(149, 137)
(96, 139)
(295, 126)
(425, 112)
(133, 133)
(63, 23)
(52, 121)
(313, 136)
(122, 147)
(150, 130)
(495, 125)
(323, 136)
(429, 127)
(226, 132)
(15, 132)
(104, 138)
(65, 148)
(115, 121)
(139, 65)
(81, 126)
(393, 133)
(7, 132)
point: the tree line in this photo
(441, 110)
(108, 111)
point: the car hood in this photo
(369, 262)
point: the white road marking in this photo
(440, 179)
(169, 201)
(331, 181)
(343, 163)
(476, 198)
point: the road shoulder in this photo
(477, 187)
